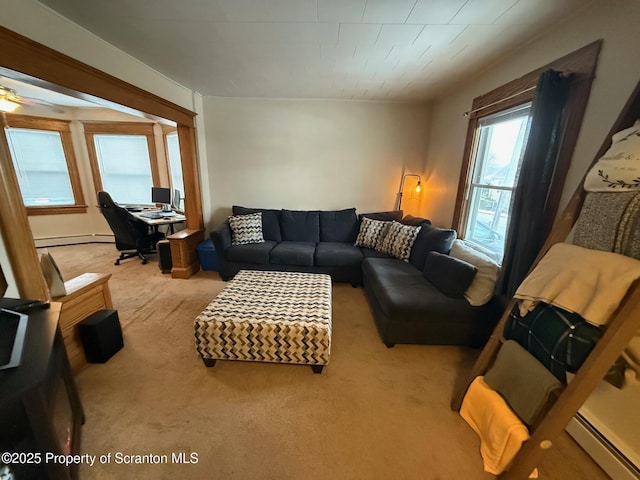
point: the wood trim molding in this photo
(14, 120)
(93, 162)
(581, 64)
(62, 127)
(166, 129)
(120, 128)
(37, 60)
(153, 158)
(190, 174)
(58, 210)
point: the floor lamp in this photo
(418, 186)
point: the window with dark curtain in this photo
(575, 71)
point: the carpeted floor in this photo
(374, 413)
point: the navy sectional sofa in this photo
(407, 307)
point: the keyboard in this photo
(152, 215)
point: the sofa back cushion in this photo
(450, 275)
(430, 239)
(300, 225)
(416, 221)
(383, 216)
(270, 221)
(339, 226)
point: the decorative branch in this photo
(618, 183)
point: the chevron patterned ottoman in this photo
(268, 316)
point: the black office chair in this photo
(134, 238)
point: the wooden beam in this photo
(34, 59)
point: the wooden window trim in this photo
(120, 128)
(167, 130)
(63, 128)
(581, 64)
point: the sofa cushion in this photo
(383, 216)
(300, 225)
(293, 253)
(246, 228)
(372, 233)
(481, 289)
(372, 253)
(270, 221)
(448, 274)
(331, 254)
(257, 253)
(404, 295)
(339, 226)
(417, 221)
(399, 240)
(430, 239)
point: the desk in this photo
(156, 222)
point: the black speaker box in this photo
(101, 335)
(164, 256)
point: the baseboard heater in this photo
(603, 452)
(73, 240)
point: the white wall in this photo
(618, 71)
(311, 154)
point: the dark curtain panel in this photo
(530, 207)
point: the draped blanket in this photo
(560, 279)
(589, 282)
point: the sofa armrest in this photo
(221, 238)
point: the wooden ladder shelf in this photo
(620, 329)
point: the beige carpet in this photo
(374, 413)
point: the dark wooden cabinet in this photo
(40, 410)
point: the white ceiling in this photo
(360, 49)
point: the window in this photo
(175, 163)
(42, 155)
(481, 213)
(123, 160)
(499, 144)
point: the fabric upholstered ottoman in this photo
(268, 316)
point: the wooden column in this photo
(16, 232)
(184, 254)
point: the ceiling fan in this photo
(10, 100)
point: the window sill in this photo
(57, 210)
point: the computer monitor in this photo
(176, 199)
(161, 195)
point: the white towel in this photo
(589, 282)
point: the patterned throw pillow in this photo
(371, 233)
(246, 229)
(399, 240)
